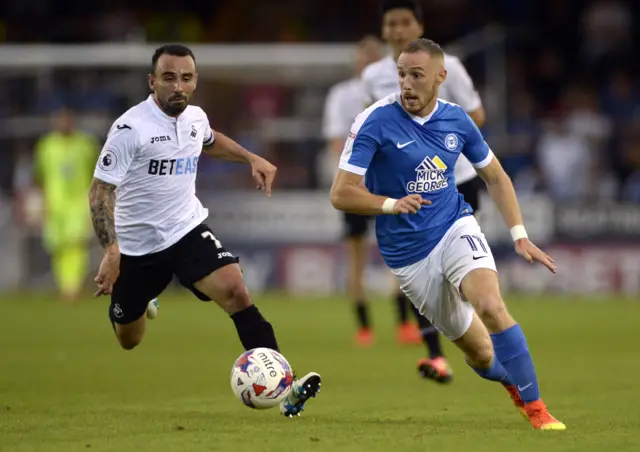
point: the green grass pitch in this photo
(66, 386)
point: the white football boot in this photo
(152, 309)
(301, 390)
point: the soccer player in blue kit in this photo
(407, 144)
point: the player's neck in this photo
(428, 109)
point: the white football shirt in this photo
(344, 102)
(381, 79)
(152, 159)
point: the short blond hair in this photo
(426, 46)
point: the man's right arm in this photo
(347, 192)
(367, 88)
(102, 201)
(361, 145)
(464, 92)
(348, 195)
(113, 163)
(335, 126)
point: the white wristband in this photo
(387, 205)
(518, 232)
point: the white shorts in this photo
(433, 283)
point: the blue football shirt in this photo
(400, 154)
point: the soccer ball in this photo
(261, 378)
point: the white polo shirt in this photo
(152, 159)
(380, 79)
(344, 102)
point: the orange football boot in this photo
(540, 417)
(435, 369)
(409, 334)
(364, 337)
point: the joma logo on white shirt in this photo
(160, 139)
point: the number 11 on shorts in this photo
(209, 235)
(474, 241)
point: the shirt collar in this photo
(420, 120)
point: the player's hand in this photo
(108, 273)
(532, 254)
(264, 173)
(409, 204)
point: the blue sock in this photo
(494, 373)
(511, 350)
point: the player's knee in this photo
(493, 312)
(128, 343)
(482, 358)
(129, 340)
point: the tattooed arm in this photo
(120, 149)
(102, 200)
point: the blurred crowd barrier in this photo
(291, 243)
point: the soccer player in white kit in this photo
(151, 224)
(343, 103)
(402, 22)
(407, 145)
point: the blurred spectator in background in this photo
(119, 24)
(586, 121)
(64, 163)
(344, 101)
(90, 96)
(564, 159)
(523, 129)
(606, 31)
(621, 97)
(47, 95)
(548, 76)
(174, 24)
(630, 168)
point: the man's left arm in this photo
(222, 147)
(502, 192)
(503, 195)
(464, 92)
(335, 125)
